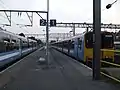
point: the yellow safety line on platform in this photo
(111, 63)
(117, 80)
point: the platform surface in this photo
(63, 74)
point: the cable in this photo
(3, 16)
(91, 15)
(3, 7)
(12, 21)
(6, 17)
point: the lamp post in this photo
(110, 5)
(96, 38)
(47, 34)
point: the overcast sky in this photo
(62, 10)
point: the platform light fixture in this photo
(110, 5)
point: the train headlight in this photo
(106, 57)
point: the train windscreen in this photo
(89, 40)
(106, 38)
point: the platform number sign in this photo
(42, 22)
(53, 22)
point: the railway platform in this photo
(63, 73)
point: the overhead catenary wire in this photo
(13, 22)
(92, 15)
(4, 6)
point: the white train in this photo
(13, 46)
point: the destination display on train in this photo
(108, 35)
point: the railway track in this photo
(112, 72)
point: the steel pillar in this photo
(96, 38)
(73, 29)
(47, 34)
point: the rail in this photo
(111, 77)
(113, 64)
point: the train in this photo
(117, 51)
(80, 47)
(13, 47)
(117, 45)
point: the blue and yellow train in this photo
(81, 46)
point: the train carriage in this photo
(81, 46)
(13, 47)
(107, 43)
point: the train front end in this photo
(107, 47)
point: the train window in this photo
(117, 46)
(6, 39)
(79, 42)
(14, 41)
(89, 40)
(5, 42)
(72, 45)
(65, 44)
(107, 40)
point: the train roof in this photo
(78, 36)
(7, 34)
(71, 38)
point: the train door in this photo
(20, 46)
(75, 48)
(71, 46)
(79, 48)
